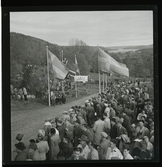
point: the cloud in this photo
(99, 27)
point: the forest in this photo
(28, 60)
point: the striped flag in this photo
(72, 69)
(59, 69)
(108, 64)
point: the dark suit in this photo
(113, 132)
(90, 115)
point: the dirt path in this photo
(29, 121)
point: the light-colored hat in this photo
(104, 134)
(47, 123)
(65, 112)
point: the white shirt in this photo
(113, 153)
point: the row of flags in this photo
(62, 69)
(106, 64)
(109, 65)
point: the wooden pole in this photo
(62, 88)
(49, 101)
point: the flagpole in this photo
(49, 102)
(99, 72)
(62, 81)
(103, 79)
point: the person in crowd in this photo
(142, 129)
(77, 132)
(90, 114)
(113, 152)
(107, 123)
(149, 145)
(98, 127)
(113, 131)
(104, 144)
(84, 146)
(33, 151)
(141, 114)
(21, 93)
(22, 154)
(93, 154)
(67, 148)
(43, 147)
(126, 152)
(76, 154)
(54, 144)
(86, 132)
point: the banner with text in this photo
(81, 78)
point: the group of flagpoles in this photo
(103, 77)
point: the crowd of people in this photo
(117, 124)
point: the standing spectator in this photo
(99, 126)
(22, 154)
(93, 154)
(33, 150)
(77, 155)
(25, 93)
(113, 152)
(113, 131)
(107, 123)
(149, 145)
(83, 145)
(43, 147)
(21, 94)
(126, 154)
(54, 144)
(67, 149)
(104, 144)
(90, 115)
(77, 133)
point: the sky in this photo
(103, 28)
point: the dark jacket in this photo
(113, 132)
(67, 150)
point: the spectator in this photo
(77, 155)
(126, 154)
(93, 154)
(25, 93)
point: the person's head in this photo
(141, 123)
(84, 126)
(113, 143)
(53, 131)
(40, 137)
(32, 147)
(105, 115)
(20, 147)
(113, 121)
(91, 145)
(19, 137)
(77, 152)
(83, 140)
(121, 118)
(126, 150)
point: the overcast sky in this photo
(103, 28)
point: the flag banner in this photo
(109, 64)
(80, 78)
(72, 68)
(59, 69)
(76, 62)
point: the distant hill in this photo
(29, 60)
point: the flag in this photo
(72, 69)
(103, 61)
(59, 69)
(108, 64)
(76, 62)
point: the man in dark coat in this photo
(90, 115)
(113, 131)
(99, 110)
(77, 133)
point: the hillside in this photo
(28, 60)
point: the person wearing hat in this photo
(22, 154)
(90, 114)
(43, 147)
(113, 151)
(19, 137)
(69, 129)
(104, 144)
(83, 145)
(77, 132)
